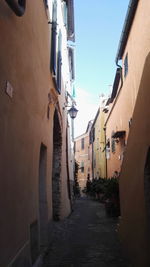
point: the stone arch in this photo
(56, 169)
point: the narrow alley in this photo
(87, 238)
(74, 121)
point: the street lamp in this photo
(73, 112)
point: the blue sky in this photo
(98, 27)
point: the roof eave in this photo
(126, 28)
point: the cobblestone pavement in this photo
(87, 238)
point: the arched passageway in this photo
(43, 206)
(56, 174)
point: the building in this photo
(117, 124)
(126, 84)
(128, 130)
(35, 166)
(98, 143)
(83, 156)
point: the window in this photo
(74, 147)
(65, 13)
(71, 63)
(69, 18)
(112, 142)
(82, 166)
(54, 39)
(113, 145)
(82, 143)
(59, 63)
(126, 65)
(56, 47)
(130, 122)
(90, 137)
(108, 149)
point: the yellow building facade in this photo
(98, 145)
(83, 156)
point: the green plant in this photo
(76, 188)
(106, 191)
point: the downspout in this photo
(18, 8)
(105, 151)
(92, 155)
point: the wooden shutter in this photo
(54, 39)
(71, 33)
(53, 48)
(59, 63)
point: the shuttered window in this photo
(56, 48)
(54, 39)
(71, 35)
(65, 13)
(71, 63)
(59, 63)
(53, 49)
(82, 143)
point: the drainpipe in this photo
(18, 8)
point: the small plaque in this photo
(9, 89)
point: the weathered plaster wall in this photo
(134, 228)
(25, 63)
(137, 48)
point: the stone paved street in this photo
(87, 238)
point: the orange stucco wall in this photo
(25, 63)
(137, 47)
(134, 224)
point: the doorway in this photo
(56, 173)
(43, 207)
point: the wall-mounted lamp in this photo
(73, 112)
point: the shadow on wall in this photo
(134, 185)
